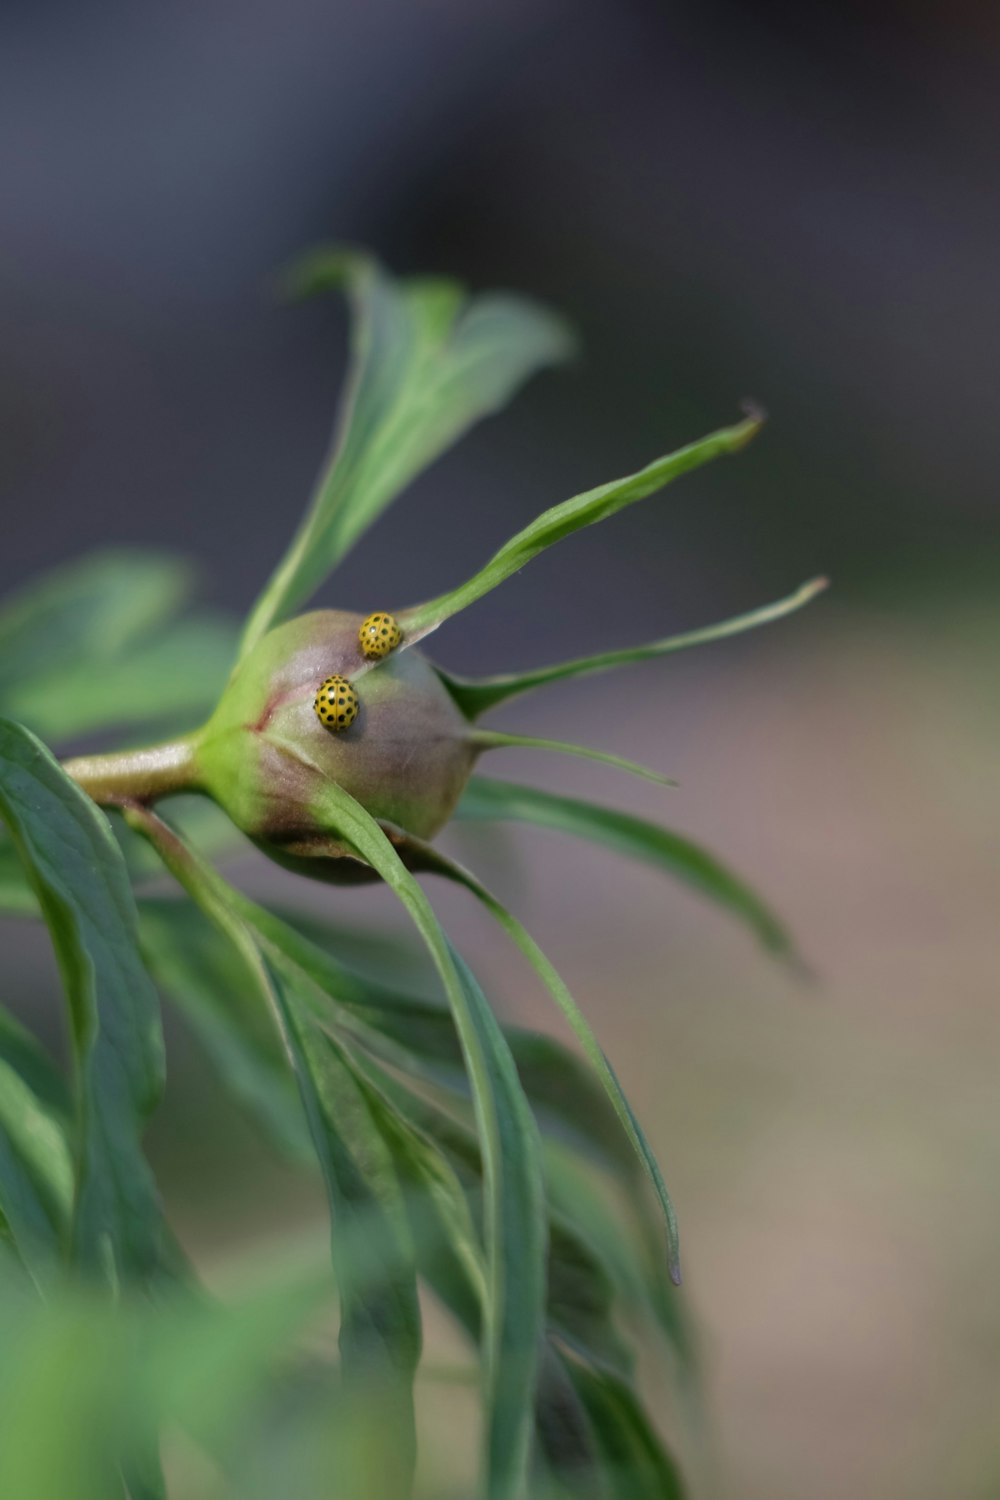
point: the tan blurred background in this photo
(728, 199)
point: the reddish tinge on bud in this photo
(265, 755)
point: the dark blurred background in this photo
(793, 203)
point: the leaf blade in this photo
(581, 1028)
(36, 1167)
(88, 610)
(509, 1142)
(426, 364)
(476, 696)
(635, 838)
(486, 739)
(380, 1324)
(636, 1463)
(174, 677)
(80, 881)
(572, 515)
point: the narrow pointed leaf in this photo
(36, 1164)
(17, 899)
(88, 611)
(203, 971)
(173, 677)
(449, 1245)
(572, 515)
(563, 1092)
(205, 976)
(515, 1228)
(568, 1450)
(635, 838)
(427, 362)
(582, 1298)
(476, 696)
(380, 1335)
(494, 740)
(80, 881)
(380, 1325)
(585, 1036)
(633, 1260)
(635, 1461)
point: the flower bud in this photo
(265, 755)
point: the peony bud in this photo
(264, 754)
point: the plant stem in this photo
(137, 775)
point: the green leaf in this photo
(635, 1462)
(79, 878)
(36, 1166)
(632, 1259)
(198, 821)
(17, 899)
(92, 645)
(380, 1326)
(584, 1284)
(475, 696)
(581, 1291)
(581, 1300)
(190, 953)
(380, 1331)
(562, 520)
(563, 1091)
(84, 1381)
(174, 677)
(426, 363)
(636, 839)
(88, 611)
(449, 1250)
(419, 1032)
(515, 1229)
(515, 1218)
(200, 970)
(582, 1295)
(20, 1051)
(567, 1445)
(487, 739)
(581, 1029)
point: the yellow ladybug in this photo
(379, 635)
(337, 704)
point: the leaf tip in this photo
(754, 417)
(326, 268)
(800, 969)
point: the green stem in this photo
(137, 775)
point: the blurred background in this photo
(796, 204)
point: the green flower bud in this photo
(264, 755)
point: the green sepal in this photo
(477, 695)
(572, 515)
